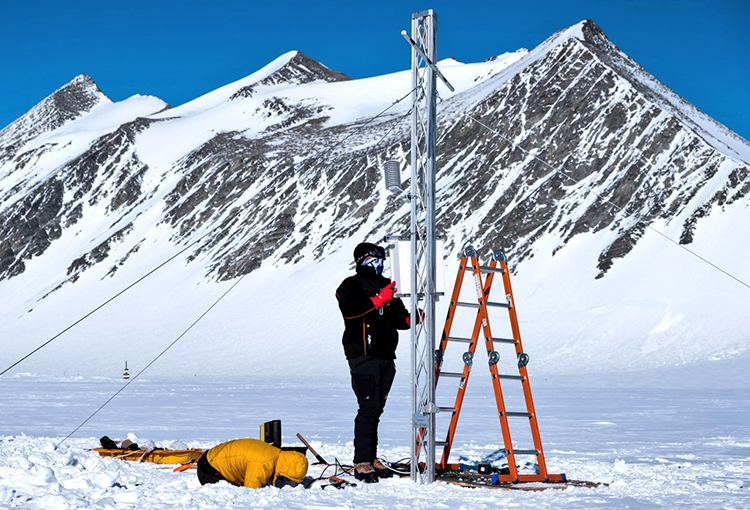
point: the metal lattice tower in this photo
(423, 142)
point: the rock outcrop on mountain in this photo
(616, 150)
(568, 148)
(597, 144)
(69, 102)
(298, 70)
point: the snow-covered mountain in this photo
(277, 176)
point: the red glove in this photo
(385, 295)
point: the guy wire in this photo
(606, 200)
(198, 239)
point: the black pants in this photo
(206, 472)
(371, 380)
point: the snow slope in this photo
(241, 181)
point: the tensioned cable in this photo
(152, 361)
(608, 201)
(92, 312)
(198, 319)
(209, 231)
(327, 149)
(395, 123)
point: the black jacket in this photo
(368, 330)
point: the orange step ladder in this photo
(484, 276)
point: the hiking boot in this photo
(381, 469)
(365, 472)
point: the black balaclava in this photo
(365, 250)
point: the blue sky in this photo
(180, 50)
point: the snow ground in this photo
(656, 448)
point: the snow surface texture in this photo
(663, 449)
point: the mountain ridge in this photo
(284, 179)
(76, 97)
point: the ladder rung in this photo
(446, 409)
(452, 374)
(441, 443)
(500, 305)
(487, 269)
(476, 305)
(505, 340)
(516, 413)
(460, 339)
(525, 452)
(512, 377)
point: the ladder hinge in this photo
(469, 251)
(523, 359)
(468, 358)
(494, 357)
(499, 256)
(439, 357)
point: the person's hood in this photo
(363, 250)
(291, 465)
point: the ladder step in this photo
(452, 374)
(505, 340)
(525, 452)
(441, 443)
(476, 305)
(516, 413)
(512, 377)
(460, 339)
(487, 269)
(446, 409)
(499, 305)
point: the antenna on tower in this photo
(126, 372)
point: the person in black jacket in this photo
(372, 317)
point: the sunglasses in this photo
(377, 252)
